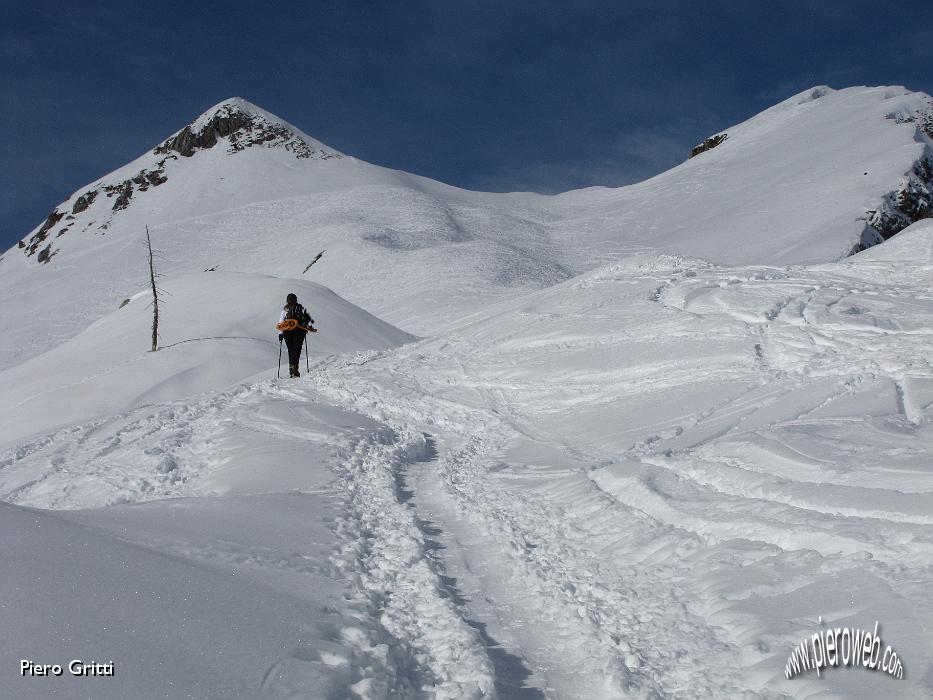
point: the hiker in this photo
(294, 337)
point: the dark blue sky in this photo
(501, 95)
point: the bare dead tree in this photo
(155, 295)
(318, 257)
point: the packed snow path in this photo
(258, 450)
(650, 481)
(657, 483)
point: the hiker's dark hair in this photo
(291, 300)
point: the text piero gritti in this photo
(75, 667)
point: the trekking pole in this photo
(278, 372)
(307, 363)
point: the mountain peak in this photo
(243, 125)
(231, 126)
(238, 103)
(233, 106)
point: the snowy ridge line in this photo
(386, 558)
(607, 635)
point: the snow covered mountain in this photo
(809, 180)
(241, 190)
(656, 435)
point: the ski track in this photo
(598, 569)
(616, 566)
(387, 559)
(600, 632)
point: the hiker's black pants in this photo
(294, 340)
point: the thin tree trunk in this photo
(318, 257)
(155, 296)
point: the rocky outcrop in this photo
(84, 201)
(910, 203)
(243, 130)
(39, 236)
(922, 118)
(913, 200)
(188, 141)
(123, 192)
(707, 145)
(142, 180)
(45, 255)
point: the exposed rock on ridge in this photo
(707, 145)
(243, 129)
(232, 122)
(913, 200)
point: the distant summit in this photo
(231, 126)
(242, 124)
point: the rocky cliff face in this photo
(913, 200)
(242, 129)
(232, 125)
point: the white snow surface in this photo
(624, 461)
(791, 185)
(216, 330)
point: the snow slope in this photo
(216, 329)
(657, 478)
(651, 479)
(243, 594)
(793, 184)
